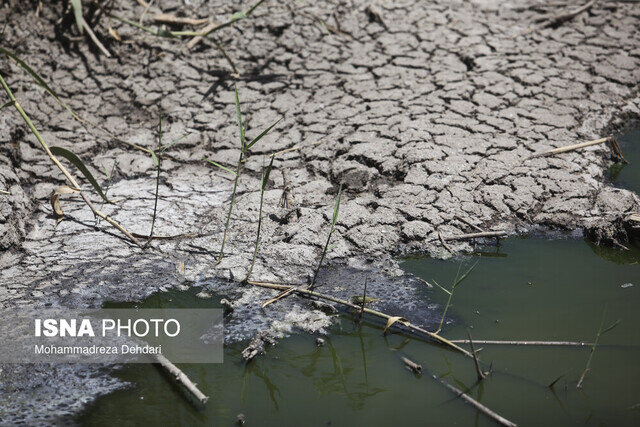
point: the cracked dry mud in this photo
(425, 121)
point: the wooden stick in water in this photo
(479, 406)
(181, 378)
(532, 343)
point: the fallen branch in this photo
(547, 343)
(480, 373)
(477, 235)
(95, 39)
(357, 308)
(194, 41)
(444, 243)
(470, 224)
(181, 378)
(412, 366)
(54, 159)
(570, 148)
(559, 18)
(479, 406)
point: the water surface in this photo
(530, 289)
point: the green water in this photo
(530, 289)
(628, 175)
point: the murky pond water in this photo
(531, 289)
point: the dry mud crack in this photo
(425, 121)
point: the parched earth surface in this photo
(426, 111)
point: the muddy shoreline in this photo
(426, 121)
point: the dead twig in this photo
(412, 366)
(166, 18)
(364, 298)
(570, 148)
(194, 41)
(558, 18)
(479, 406)
(469, 223)
(144, 12)
(476, 235)
(444, 243)
(390, 319)
(181, 378)
(95, 39)
(279, 296)
(532, 343)
(479, 372)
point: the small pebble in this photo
(319, 342)
(203, 295)
(627, 285)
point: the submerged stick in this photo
(479, 406)
(357, 308)
(512, 342)
(481, 375)
(181, 378)
(412, 366)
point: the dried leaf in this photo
(394, 319)
(114, 33)
(55, 200)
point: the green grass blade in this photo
(438, 285)
(336, 207)
(77, 12)
(169, 145)
(252, 8)
(155, 158)
(239, 117)
(264, 132)
(39, 80)
(220, 166)
(75, 160)
(465, 275)
(265, 178)
(326, 245)
(616, 323)
(8, 104)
